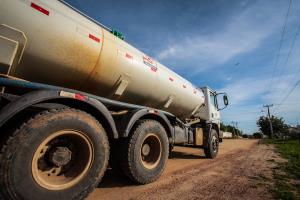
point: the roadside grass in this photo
(287, 175)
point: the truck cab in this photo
(210, 113)
(212, 106)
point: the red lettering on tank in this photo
(148, 59)
(129, 56)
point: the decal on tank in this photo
(150, 63)
(129, 56)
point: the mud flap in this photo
(206, 134)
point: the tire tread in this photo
(13, 141)
(125, 155)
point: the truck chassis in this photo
(58, 139)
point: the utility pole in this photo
(234, 124)
(269, 116)
(233, 128)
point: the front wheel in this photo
(58, 154)
(212, 148)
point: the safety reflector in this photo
(39, 8)
(171, 79)
(94, 38)
(79, 97)
(153, 111)
(72, 95)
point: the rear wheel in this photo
(212, 148)
(58, 154)
(145, 152)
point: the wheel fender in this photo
(207, 133)
(126, 123)
(39, 96)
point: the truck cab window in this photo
(213, 101)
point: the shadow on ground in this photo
(114, 178)
(182, 155)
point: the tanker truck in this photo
(76, 98)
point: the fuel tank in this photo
(66, 48)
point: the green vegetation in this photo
(279, 127)
(287, 175)
(257, 135)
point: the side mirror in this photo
(225, 99)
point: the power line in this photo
(288, 94)
(289, 53)
(241, 113)
(280, 45)
(289, 103)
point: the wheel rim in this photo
(62, 160)
(151, 151)
(215, 143)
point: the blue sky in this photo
(229, 45)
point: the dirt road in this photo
(238, 172)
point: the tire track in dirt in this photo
(235, 174)
(190, 182)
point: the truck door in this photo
(214, 113)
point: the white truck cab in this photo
(211, 109)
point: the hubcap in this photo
(60, 156)
(62, 160)
(151, 151)
(146, 150)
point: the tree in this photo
(257, 135)
(279, 127)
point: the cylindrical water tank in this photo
(68, 49)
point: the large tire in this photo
(145, 153)
(58, 154)
(211, 151)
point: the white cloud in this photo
(242, 34)
(245, 33)
(247, 96)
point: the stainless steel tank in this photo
(66, 48)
